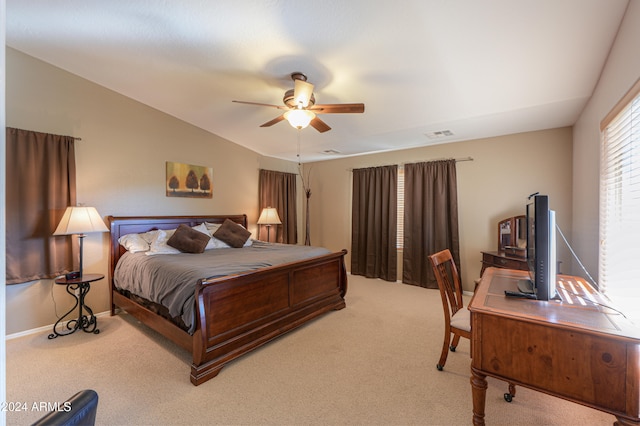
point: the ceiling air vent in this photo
(331, 152)
(439, 134)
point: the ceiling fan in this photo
(301, 109)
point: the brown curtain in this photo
(41, 183)
(374, 220)
(430, 219)
(278, 190)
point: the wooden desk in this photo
(572, 349)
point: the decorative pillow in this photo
(159, 243)
(134, 243)
(249, 241)
(233, 234)
(188, 240)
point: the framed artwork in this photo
(187, 180)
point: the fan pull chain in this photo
(298, 149)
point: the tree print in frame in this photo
(187, 180)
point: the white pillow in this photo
(134, 243)
(217, 244)
(212, 227)
(149, 236)
(159, 244)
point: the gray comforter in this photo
(170, 279)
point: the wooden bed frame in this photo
(237, 313)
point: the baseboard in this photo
(44, 328)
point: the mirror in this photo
(504, 233)
(512, 236)
(521, 232)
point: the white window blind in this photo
(400, 209)
(619, 260)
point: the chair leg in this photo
(445, 351)
(454, 342)
(511, 394)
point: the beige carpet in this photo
(372, 363)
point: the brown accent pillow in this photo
(232, 234)
(188, 240)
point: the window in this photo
(620, 204)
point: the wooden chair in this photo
(79, 410)
(457, 318)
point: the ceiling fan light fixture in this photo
(299, 118)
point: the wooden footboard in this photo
(238, 313)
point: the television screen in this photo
(541, 248)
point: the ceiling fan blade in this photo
(319, 125)
(302, 92)
(274, 121)
(338, 109)
(260, 104)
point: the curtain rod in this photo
(24, 130)
(413, 162)
(441, 159)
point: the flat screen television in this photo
(541, 248)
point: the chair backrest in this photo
(79, 410)
(444, 268)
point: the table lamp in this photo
(80, 221)
(268, 217)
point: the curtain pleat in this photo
(374, 221)
(278, 190)
(430, 219)
(40, 184)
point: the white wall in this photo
(120, 169)
(621, 71)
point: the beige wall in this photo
(495, 185)
(120, 168)
(620, 73)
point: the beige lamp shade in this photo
(269, 216)
(80, 220)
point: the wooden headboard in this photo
(124, 225)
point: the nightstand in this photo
(78, 288)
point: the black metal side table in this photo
(78, 288)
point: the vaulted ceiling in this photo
(428, 71)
